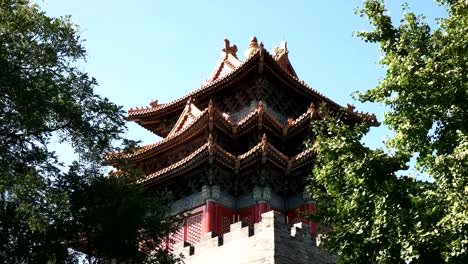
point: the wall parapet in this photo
(269, 241)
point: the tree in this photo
(117, 219)
(385, 217)
(44, 97)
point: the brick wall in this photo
(269, 241)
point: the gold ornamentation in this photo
(253, 47)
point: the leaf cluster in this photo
(375, 215)
(44, 98)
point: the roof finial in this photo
(253, 47)
(229, 49)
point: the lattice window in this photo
(178, 236)
(194, 228)
(225, 225)
(247, 219)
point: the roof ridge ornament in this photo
(280, 51)
(350, 107)
(228, 49)
(262, 59)
(154, 103)
(312, 107)
(253, 47)
(264, 148)
(280, 54)
(260, 105)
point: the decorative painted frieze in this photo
(211, 192)
(261, 194)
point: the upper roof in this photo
(230, 69)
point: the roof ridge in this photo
(189, 107)
(202, 86)
(140, 150)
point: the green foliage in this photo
(372, 213)
(118, 220)
(44, 97)
(377, 217)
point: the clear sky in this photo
(141, 51)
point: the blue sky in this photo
(141, 51)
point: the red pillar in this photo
(209, 217)
(310, 208)
(260, 208)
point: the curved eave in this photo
(197, 127)
(260, 114)
(210, 151)
(271, 65)
(301, 87)
(205, 88)
(201, 124)
(181, 166)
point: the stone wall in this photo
(269, 241)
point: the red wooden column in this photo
(260, 208)
(210, 221)
(310, 207)
(209, 216)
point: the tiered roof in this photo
(181, 122)
(211, 116)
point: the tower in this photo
(233, 154)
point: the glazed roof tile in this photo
(178, 166)
(199, 123)
(262, 149)
(217, 80)
(177, 137)
(227, 64)
(208, 85)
